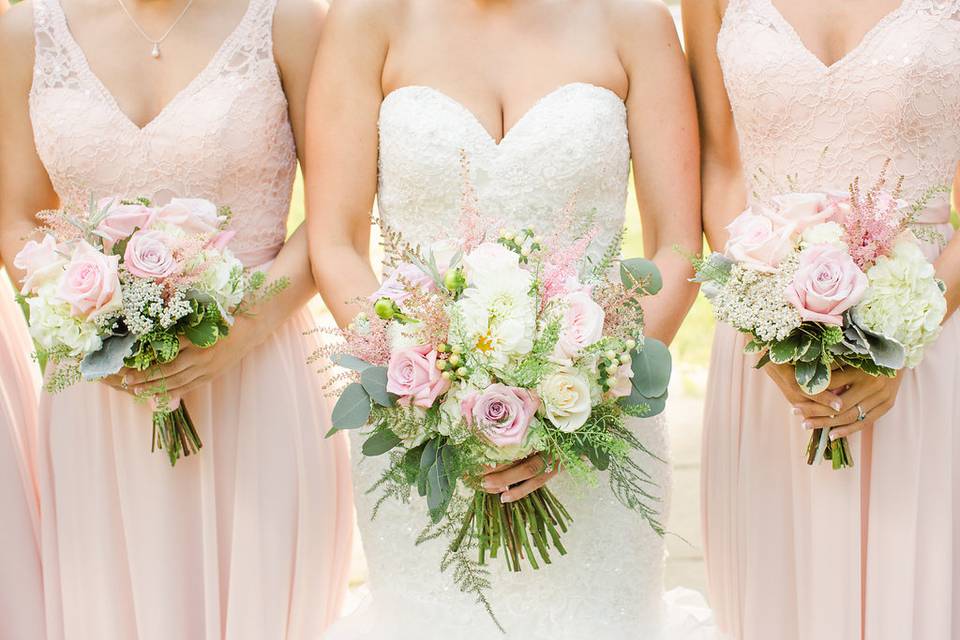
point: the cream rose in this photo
(566, 399)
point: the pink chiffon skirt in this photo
(21, 585)
(801, 553)
(249, 540)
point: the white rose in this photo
(582, 325)
(824, 233)
(490, 262)
(566, 399)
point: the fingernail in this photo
(796, 412)
(488, 485)
(834, 435)
(505, 498)
(126, 379)
(837, 405)
(807, 424)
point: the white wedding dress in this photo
(610, 585)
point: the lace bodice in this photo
(225, 137)
(528, 178)
(573, 141)
(896, 95)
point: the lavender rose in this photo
(827, 283)
(502, 414)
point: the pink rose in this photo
(149, 255)
(757, 242)
(802, 210)
(91, 284)
(121, 221)
(412, 374)
(395, 286)
(582, 325)
(41, 261)
(502, 414)
(191, 215)
(827, 283)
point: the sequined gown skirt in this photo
(797, 553)
(21, 586)
(249, 540)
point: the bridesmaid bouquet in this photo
(483, 351)
(825, 280)
(121, 288)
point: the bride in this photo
(548, 99)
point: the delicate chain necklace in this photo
(155, 51)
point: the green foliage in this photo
(352, 409)
(205, 325)
(374, 382)
(641, 275)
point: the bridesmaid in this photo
(250, 539)
(828, 91)
(21, 584)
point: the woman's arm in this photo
(25, 186)
(342, 139)
(664, 144)
(724, 189)
(296, 30)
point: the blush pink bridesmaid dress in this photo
(21, 583)
(250, 539)
(799, 553)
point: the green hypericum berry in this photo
(385, 308)
(454, 280)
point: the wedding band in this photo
(863, 414)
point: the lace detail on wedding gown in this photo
(610, 585)
(896, 95)
(191, 149)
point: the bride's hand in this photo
(865, 398)
(518, 479)
(195, 366)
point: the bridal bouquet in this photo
(825, 280)
(483, 351)
(121, 287)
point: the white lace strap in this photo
(54, 63)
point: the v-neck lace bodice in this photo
(226, 136)
(896, 95)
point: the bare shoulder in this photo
(17, 42)
(640, 21)
(298, 19)
(372, 17)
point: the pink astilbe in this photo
(473, 226)
(623, 315)
(874, 220)
(563, 253)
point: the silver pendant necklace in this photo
(155, 49)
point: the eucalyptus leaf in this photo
(652, 366)
(352, 409)
(374, 381)
(380, 442)
(642, 272)
(427, 459)
(109, 359)
(439, 488)
(348, 361)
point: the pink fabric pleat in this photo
(21, 585)
(249, 540)
(782, 539)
